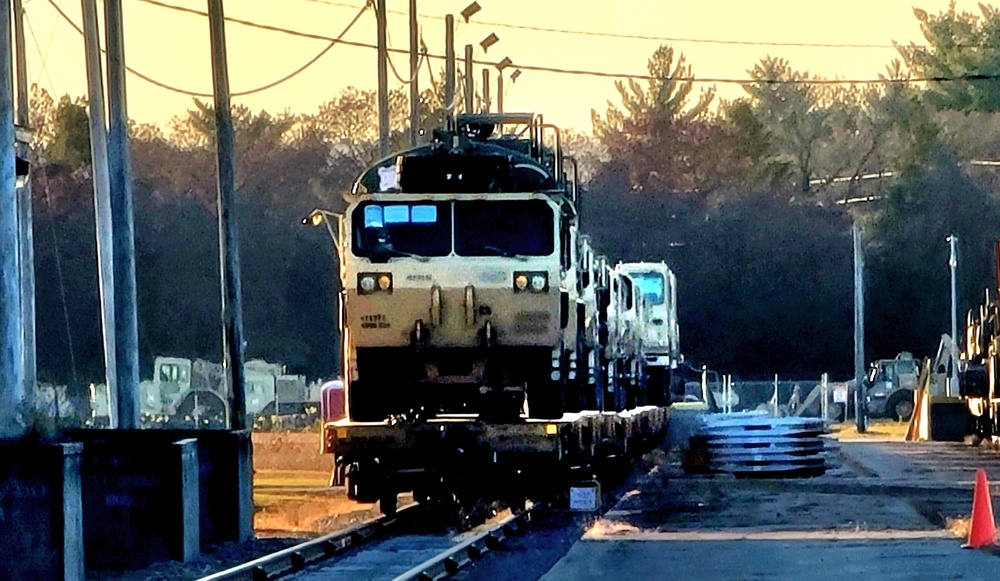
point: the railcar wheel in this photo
(387, 503)
(361, 484)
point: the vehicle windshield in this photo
(650, 285)
(511, 228)
(386, 230)
(503, 228)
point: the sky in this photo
(173, 47)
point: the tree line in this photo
(739, 197)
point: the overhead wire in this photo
(333, 42)
(38, 49)
(392, 65)
(57, 253)
(627, 36)
(572, 71)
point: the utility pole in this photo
(953, 264)
(12, 397)
(383, 79)
(414, 85)
(102, 200)
(232, 307)
(470, 84)
(123, 253)
(860, 409)
(500, 92)
(449, 68)
(24, 216)
(486, 90)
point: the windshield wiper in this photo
(505, 253)
(389, 251)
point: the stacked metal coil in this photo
(757, 445)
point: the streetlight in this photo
(503, 64)
(470, 10)
(489, 41)
(953, 265)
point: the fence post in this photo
(775, 395)
(824, 383)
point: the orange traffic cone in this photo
(982, 529)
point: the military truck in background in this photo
(890, 385)
(193, 392)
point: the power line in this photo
(413, 74)
(624, 36)
(38, 49)
(162, 85)
(595, 73)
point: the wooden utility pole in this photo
(102, 200)
(414, 85)
(232, 295)
(123, 253)
(470, 83)
(449, 68)
(24, 216)
(500, 92)
(383, 79)
(11, 336)
(486, 90)
(860, 409)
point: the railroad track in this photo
(382, 548)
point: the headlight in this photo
(373, 282)
(535, 282)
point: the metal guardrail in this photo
(449, 562)
(296, 558)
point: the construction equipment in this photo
(889, 387)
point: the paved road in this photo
(796, 560)
(673, 526)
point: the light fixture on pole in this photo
(515, 75)
(953, 265)
(503, 64)
(489, 41)
(470, 10)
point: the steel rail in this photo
(297, 557)
(450, 561)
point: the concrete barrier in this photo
(224, 474)
(41, 522)
(140, 502)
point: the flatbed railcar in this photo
(457, 454)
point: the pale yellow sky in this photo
(173, 47)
